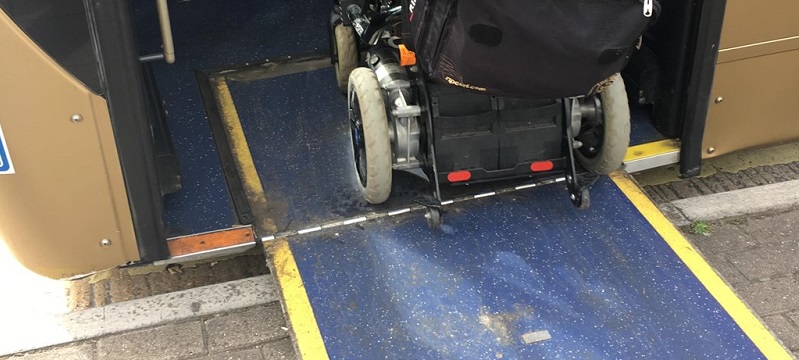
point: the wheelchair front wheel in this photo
(370, 137)
(346, 54)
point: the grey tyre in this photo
(346, 54)
(370, 137)
(613, 132)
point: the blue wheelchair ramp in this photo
(515, 272)
(518, 275)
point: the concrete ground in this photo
(117, 285)
(237, 314)
(759, 256)
(253, 333)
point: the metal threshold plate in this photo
(651, 155)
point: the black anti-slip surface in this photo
(215, 34)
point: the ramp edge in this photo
(308, 339)
(749, 323)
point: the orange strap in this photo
(407, 57)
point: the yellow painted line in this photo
(741, 314)
(298, 308)
(241, 152)
(644, 151)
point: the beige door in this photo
(64, 211)
(756, 83)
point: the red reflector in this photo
(459, 176)
(542, 166)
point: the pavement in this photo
(123, 284)
(747, 229)
(759, 256)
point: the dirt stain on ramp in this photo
(502, 324)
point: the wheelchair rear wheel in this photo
(606, 134)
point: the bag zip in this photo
(649, 7)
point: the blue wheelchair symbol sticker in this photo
(6, 167)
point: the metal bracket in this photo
(577, 184)
(406, 111)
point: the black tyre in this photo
(370, 138)
(434, 218)
(606, 137)
(346, 54)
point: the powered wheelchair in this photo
(472, 91)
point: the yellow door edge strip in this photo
(643, 151)
(241, 153)
(726, 297)
(298, 308)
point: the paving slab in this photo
(168, 342)
(732, 275)
(251, 326)
(773, 296)
(83, 351)
(281, 349)
(767, 262)
(724, 238)
(48, 330)
(778, 228)
(787, 332)
(246, 354)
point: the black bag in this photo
(525, 48)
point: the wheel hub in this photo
(592, 126)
